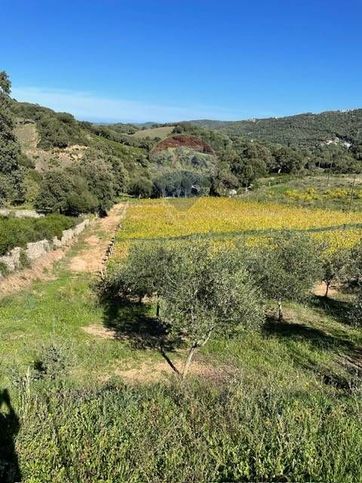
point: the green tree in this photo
(67, 192)
(5, 83)
(354, 269)
(287, 267)
(223, 180)
(355, 313)
(250, 161)
(9, 148)
(142, 273)
(100, 181)
(334, 267)
(354, 278)
(207, 293)
(120, 175)
(202, 292)
(141, 187)
(286, 160)
(53, 192)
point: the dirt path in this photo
(40, 270)
(90, 259)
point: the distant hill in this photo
(302, 130)
(51, 139)
(53, 142)
(51, 150)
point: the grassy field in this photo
(156, 132)
(335, 192)
(102, 404)
(230, 219)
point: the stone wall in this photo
(20, 213)
(14, 260)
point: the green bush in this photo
(15, 232)
(24, 261)
(141, 187)
(88, 187)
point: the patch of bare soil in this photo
(150, 372)
(99, 331)
(180, 140)
(91, 258)
(154, 371)
(320, 290)
(27, 136)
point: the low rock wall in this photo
(20, 213)
(14, 260)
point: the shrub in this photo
(91, 186)
(24, 261)
(52, 363)
(142, 187)
(15, 232)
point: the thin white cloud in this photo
(88, 106)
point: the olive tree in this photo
(202, 292)
(142, 273)
(355, 313)
(334, 266)
(354, 277)
(354, 267)
(207, 292)
(286, 267)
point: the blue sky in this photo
(164, 60)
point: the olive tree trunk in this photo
(280, 310)
(158, 307)
(190, 356)
(193, 350)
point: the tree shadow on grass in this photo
(338, 309)
(317, 337)
(132, 321)
(349, 353)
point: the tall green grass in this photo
(195, 431)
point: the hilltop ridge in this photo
(197, 157)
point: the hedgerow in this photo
(15, 232)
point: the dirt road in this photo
(95, 239)
(91, 258)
